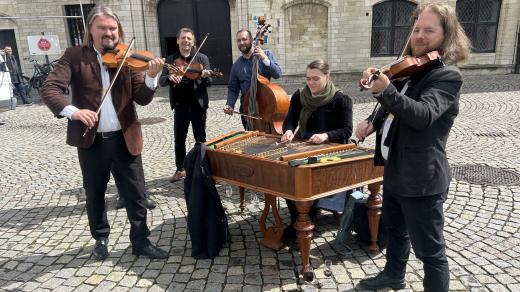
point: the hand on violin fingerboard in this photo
(205, 73)
(175, 78)
(376, 85)
(155, 66)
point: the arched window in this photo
(391, 21)
(480, 21)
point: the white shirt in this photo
(108, 120)
(386, 127)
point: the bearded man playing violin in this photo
(412, 126)
(111, 140)
(188, 97)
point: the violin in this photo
(402, 67)
(136, 60)
(192, 71)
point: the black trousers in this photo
(183, 115)
(96, 162)
(22, 92)
(419, 221)
(291, 205)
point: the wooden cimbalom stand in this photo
(298, 171)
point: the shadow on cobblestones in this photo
(33, 217)
(45, 242)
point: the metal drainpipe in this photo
(517, 65)
(144, 26)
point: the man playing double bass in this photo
(188, 98)
(241, 71)
(113, 141)
(412, 126)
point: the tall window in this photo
(391, 23)
(480, 21)
(75, 25)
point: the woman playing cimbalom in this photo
(323, 114)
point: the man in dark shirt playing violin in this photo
(240, 75)
(412, 127)
(188, 97)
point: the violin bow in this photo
(376, 74)
(113, 81)
(247, 116)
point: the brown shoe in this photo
(179, 174)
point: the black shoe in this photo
(149, 202)
(120, 203)
(150, 251)
(100, 250)
(382, 281)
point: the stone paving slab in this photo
(45, 243)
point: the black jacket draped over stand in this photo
(207, 222)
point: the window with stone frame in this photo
(479, 18)
(391, 23)
(75, 25)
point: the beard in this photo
(246, 48)
(108, 43)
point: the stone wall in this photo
(336, 30)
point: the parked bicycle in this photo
(40, 72)
(26, 83)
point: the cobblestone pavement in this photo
(45, 243)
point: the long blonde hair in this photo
(100, 10)
(456, 47)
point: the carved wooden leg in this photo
(242, 206)
(304, 226)
(374, 204)
(272, 235)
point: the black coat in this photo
(417, 164)
(333, 118)
(207, 222)
(188, 92)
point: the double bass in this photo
(265, 100)
(265, 107)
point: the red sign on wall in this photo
(44, 44)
